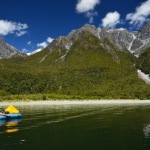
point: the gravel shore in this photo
(77, 102)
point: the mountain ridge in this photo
(8, 51)
(89, 62)
(122, 39)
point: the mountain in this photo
(122, 39)
(136, 43)
(142, 40)
(89, 62)
(144, 61)
(8, 51)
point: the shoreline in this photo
(76, 102)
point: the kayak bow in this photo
(9, 116)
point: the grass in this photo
(37, 97)
(87, 72)
(144, 61)
(43, 97)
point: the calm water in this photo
(78, 127)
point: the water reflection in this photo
(146, 131)
(78, 127)
(11, 125)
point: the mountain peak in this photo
(7, 51)
(121, 38)
(144, 33)
(88, 26)
(142, 42)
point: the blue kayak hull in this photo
(10, 116)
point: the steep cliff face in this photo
(144, 33)
(68, 41)
(142, 41)
(121, 39)
(112, 41)
(144, 61)
(88, 62)
(134, 42)
(8, 51)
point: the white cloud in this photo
(9, 27)
(84, 6)
(91, 15)
(88, 8)
(29, 43)
(49, 39)
(24, 50)
(45, 43)
(39, 46)
(42, 45)
(141, 14)
(21, 33)
(111, 19)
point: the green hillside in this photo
(144, 61)
(87, 70)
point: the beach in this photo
(77, 102)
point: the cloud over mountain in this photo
(88, 8)
(44, 44)
(111, 19)
(49, 40)
(84, 6)
(141, 14)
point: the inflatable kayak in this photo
(9, 113)
(9, 116)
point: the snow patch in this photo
(99, 31)
(121, 29)
(144, 76)
(68, 46)
(130, 45)
(45, 57)
(110, 30)
(63, 57)
(136, 55)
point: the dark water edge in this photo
(78, 127)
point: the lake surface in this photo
(78, 127)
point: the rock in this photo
(8, 51)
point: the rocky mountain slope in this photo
(89, 62)
(110, 39)
(142, 40)
(8, 51)
(120, 39)
(144, 61)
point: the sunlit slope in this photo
(87, 69)
(144, 61)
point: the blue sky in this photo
(29, 25)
